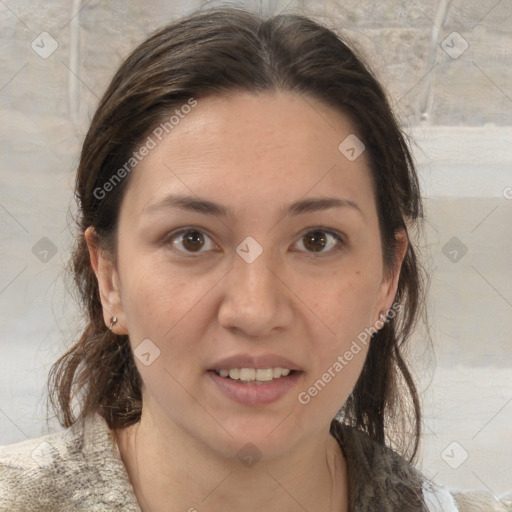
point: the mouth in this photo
(254, 382)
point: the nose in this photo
(256, 300)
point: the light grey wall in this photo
(448, 69)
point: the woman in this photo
(245, 196)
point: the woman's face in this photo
(248, 241)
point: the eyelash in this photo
(339, 239)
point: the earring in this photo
(113, 320)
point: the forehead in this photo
(244, 147)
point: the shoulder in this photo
(380, 479)
(481, 501)
(28, 469)
(76, 469)
(440, 499)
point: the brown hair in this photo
(212, 53)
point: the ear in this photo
(108, 282)
(389, 285)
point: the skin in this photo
(254, 154)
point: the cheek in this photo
(163, 310)
(348, 303)
(340, 354)
(156, 302)
(346, 309)
(170, 307)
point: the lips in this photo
(243, 378)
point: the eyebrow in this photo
(204, 206)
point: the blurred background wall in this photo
(447, 67)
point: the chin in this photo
(265, 436)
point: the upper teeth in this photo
(261, 374)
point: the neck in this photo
(165, 466)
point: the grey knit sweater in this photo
(80, 469)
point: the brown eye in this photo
(191, 241)
(318, 239)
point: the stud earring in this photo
(113, 320)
